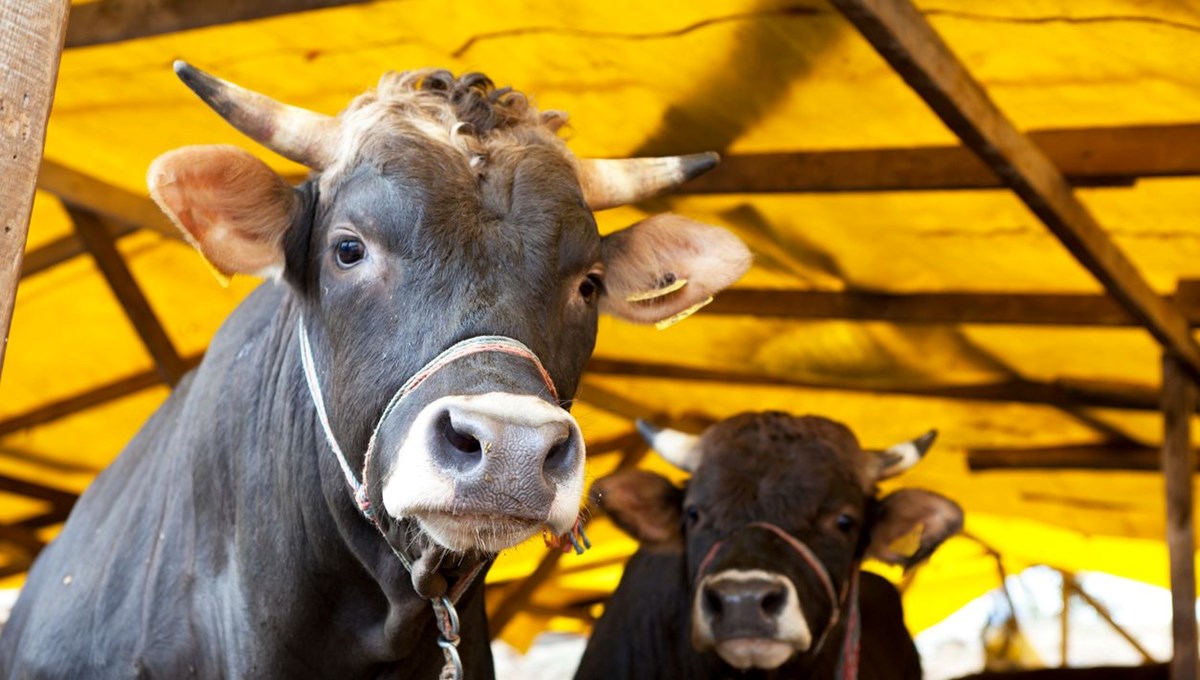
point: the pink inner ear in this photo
(666, 265)
(229, 204)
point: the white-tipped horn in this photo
(298, 134)
(608, 183)
(677, 448)
(901, 457)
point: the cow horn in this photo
(608, 183)
(900, 457)
(298, 134)
(677, 448)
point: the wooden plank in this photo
(107, 200)
(1178, 462)
(57, 497)
(108, 259)
(1116, 156)
(1059, 394)
(1087, 457)
(1100, 609)
(1040, 309)
(905, 39)
(109, 21)
(31, 39)
(50, 255)
(102, 394)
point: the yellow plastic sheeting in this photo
(731, 75)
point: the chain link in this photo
(446, 617)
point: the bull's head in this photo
(443, 209)
(777, 515)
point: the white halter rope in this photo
(444, 613)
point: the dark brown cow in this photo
(389, 410)
(751, 570)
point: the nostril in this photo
(560, 455)
(459, 440)
(712, 603)
(772, 603)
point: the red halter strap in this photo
(848, 660)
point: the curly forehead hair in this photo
(468, 112)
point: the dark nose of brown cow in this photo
(475, 438)
(743, 607)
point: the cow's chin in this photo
(762, 653)
(476, 532)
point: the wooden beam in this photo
(50, 255)
(1178, 462)
(107, 200)
(61, 500)
(1035, 309)
(109, 21)
(1059, 394)
(31, 40)
(902, 35)
(1087, 157)
(96, 396)
(503, 613)
(1086, 457)
(1073, 583)
(616, 404)
(92, 232)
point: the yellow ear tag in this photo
(658, 292)
(676, 318)
(909, 543)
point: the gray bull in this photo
(389, 410)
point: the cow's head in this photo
(761, 484)
(443, 209)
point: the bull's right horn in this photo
(608, 183)
(677, 448)
(308, 138)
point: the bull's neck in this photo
(291, 489)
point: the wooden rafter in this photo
(1085, 457)
(117, 389)
(1087, 157)
(905, 39)
(91, 231)
(31, 39)
(1063, 393)
(109, 21)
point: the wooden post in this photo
(1179, 400)
(31, 40)
(1065, 630)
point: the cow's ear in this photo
(910, 524)
(644, 505)
(228, 204)
(665, 267)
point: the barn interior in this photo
(977, 217)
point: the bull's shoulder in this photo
(887, 648)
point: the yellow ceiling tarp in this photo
(732, 75)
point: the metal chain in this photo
(446, 617)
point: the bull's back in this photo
(135, 585)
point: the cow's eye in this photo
(590, 287)
(350, 251)
(846, 523)
(692, 513)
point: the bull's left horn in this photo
(901, 457)
(298, 134)
(677, 448)
(608, 183)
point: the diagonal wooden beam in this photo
(111, 391)
(899, 32)
(31, 40)
(109, 21)
(57, 497)
(1116, 156)
(91, 231)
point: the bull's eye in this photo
(846, 523)
(692, 513)
(590, 287)
(350, 251)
